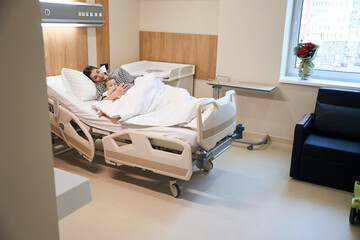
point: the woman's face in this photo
(97, 75)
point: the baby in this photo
(111, 86)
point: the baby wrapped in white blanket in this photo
(152, 103)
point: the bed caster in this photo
(207, 167)
(174, 188)
(250, 147)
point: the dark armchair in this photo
(326, 146)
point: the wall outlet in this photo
(106, 65)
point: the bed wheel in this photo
(175, 190)
(207, 167)
(250, 147)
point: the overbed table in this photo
(224, 81)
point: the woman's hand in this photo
(121, 89)
(112, 89)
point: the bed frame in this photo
(163, 155)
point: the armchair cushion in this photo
(332, 149)
(338, 121)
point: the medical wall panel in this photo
(102, 37)
(65, 47)
(195, 49)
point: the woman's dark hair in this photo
(87, 70)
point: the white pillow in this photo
(79, 84)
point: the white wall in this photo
(250, 45)
(196, 16)
(249, 49)
(27, 188)
(182, 16)
(124, 32)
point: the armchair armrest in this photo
(304, 120)
(302, 129)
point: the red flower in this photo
(309, 44)
(303, 51)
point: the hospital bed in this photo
(170, 151)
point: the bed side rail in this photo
(204, 158)
(219, 124)
(68, 127)
(146, 151)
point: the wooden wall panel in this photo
(197, 49)
(65, 48)
(102, 37)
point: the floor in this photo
(248, 195)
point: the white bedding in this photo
(84, 111)
(151, 103)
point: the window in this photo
(335, 26)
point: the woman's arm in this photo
(121, 75)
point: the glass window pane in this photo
(335, 26)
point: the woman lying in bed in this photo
(122, 77)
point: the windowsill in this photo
(320, 82)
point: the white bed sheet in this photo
(84, 111)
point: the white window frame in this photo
(289, 74)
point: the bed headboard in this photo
(196, 49)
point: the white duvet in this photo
(151, 103)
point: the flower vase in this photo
(306, 69)
(306, 52)
(305, 76)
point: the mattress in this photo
(84, 111)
